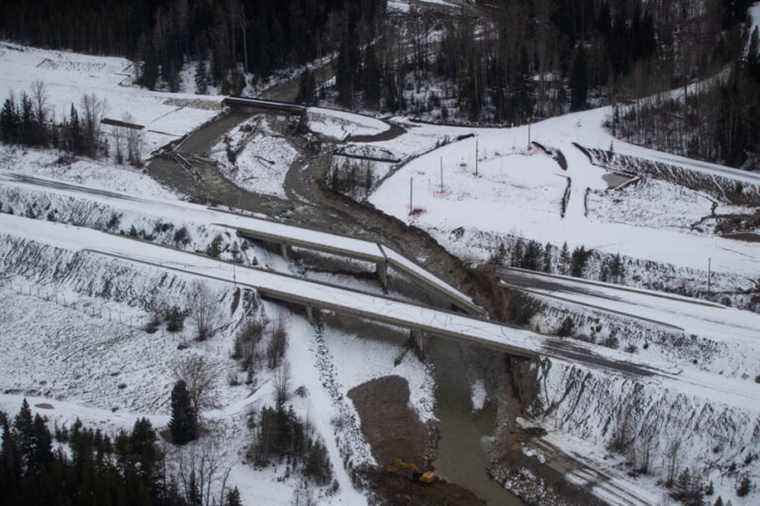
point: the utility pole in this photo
(709, 276)
(411, 195)
(529, 134)
(441, 175)
(243, 26)
(476, 156)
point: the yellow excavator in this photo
(411, 471)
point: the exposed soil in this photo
(388, 422)
(397, 490)
(394, 431)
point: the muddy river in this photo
(461, 456)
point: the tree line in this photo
(528, 59)
(81, 466)
(720, 122)
(29, 120)
(550, 259)
(228, 39)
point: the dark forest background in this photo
(501, 62)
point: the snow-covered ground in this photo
(677, 207)
(405, 5)
(96, 174)
(475, 208)
(340, 125)
(264, 157)
(67, 76)
(723, 340)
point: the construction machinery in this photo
(411, 471)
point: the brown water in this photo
(461, 458)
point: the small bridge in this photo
(257, 105)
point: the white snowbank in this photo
(339, 125)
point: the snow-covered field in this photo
(263, 160)
(67, 76)
(474, 208)
(97, 174)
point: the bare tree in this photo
(202, 474)
(282, 384)
(303, 495)
(118, 144)
(201, 379)
(92, 112)
(278, 343)
(204, 309)
(134, 143)
(40, 101)
(672, 456)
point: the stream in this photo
(461, 458)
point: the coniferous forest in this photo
(530, 59)
(80, 466)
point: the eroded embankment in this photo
(660, 433)
(74, 326)
(720, 187)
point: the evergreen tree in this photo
(94, 472)
(579, 81)
(184, 421)
(307, 89)
(344, 74)
(233, 498)
(42, 452)
(532, 257)
(517, 253)
(372, 85)
(547, 266)
(578, 261)
(148, 76)
(75, 142)
(9, 121)
(23, 429)
(27, 122)
(10, 463)
(564, 259)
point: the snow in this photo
(754, 12)
(263, 163)
(478, 395)
(405, 5)
(318, 406)
(690, 315)
(654, 326)
(68, 76)
(678, 207)
(96, 174)
(340, 125)
(478, 203)
(378, 356)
